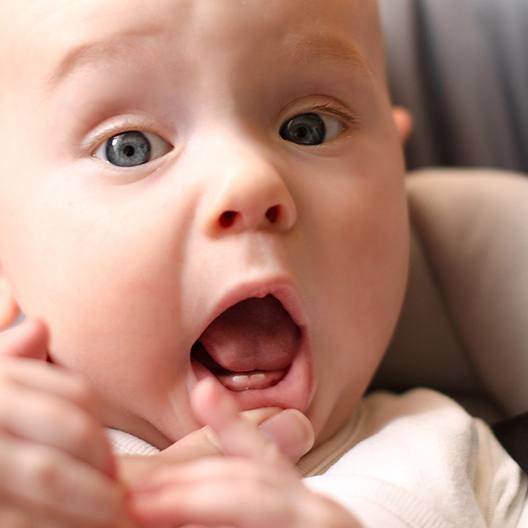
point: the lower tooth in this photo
(257, 380)
(239, 382)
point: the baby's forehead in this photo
(58, 25)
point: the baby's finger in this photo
(203, 506)
(47, 420)
(216, 493)
(236, 436)
(42, 479)
(52, 380)
(16, 514)
(29, 339)
(289, 429)
(8, 307)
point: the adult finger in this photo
(29, 339)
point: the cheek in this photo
(104, 278)
(359, 276)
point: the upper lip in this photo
(282, 288)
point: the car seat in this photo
(459, 66)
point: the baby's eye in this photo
(133, 148)
(311, 129)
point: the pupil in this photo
(129, 151)
(302, 132)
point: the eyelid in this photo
(111, 128)
(349, 118)
(329, 106)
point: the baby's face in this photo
(164, 162)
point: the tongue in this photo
(256, 334)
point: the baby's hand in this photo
(289, 429)
(56, 467)
(255, 486)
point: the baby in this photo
(204, 201)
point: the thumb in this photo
(27, 340)
(288, 433)
(291, 431)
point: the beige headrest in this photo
(464, 326)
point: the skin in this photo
(113, 259)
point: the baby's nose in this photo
(250, 195)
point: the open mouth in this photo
(255, 350)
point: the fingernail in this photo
(291, 431)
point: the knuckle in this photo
(15, 520)
(56, 414)
(275, 458)
(245, 468)
(261, 486)
(279, 507)
(6, 366)
(80, 392)
(11, 404)
(44, 471)
(273, 454)
(257, 488)
(80, 431)
(6, 406)
(258, 481)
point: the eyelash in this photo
(349, 118)
(116, 129)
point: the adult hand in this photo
(56, 468)
(254, 486)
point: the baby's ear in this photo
(9, 309)
(404, 122)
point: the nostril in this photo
(227, 218)
(272, 214)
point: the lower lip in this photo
(291, 392)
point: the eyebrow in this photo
(301, 48)
(88, 54)
(324, 48)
